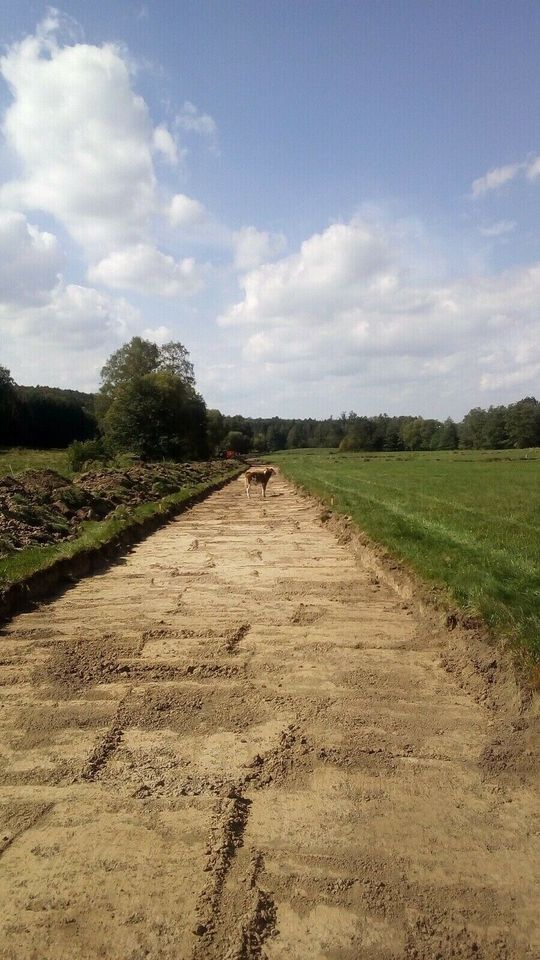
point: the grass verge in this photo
(468, 526)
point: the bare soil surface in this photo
(238, 743)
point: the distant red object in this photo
(230, 454)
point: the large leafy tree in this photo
(134, 359)
(148, 404)
(139, 357)
(174, 358)
(157, 416)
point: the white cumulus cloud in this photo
(253, 247)
(495, 178)
(65, 339)
(184, 211)
(30, 260)
(165, 144)
(158, 335)
(348, 312)
(331, 271)
(83, 138)
(146, 270)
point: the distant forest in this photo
(48, 417)
(516, 425)
(43, 417)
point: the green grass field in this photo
(16, 459)
(468, 522)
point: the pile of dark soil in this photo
(41, 506)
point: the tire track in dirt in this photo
(236, 743)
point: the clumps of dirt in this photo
(514, 752)
(487, 674)
(102, 752)
(18, 816)
(226, 836)
(170, 671)
(260, 920)
(37, 507)
(293, 751)
(305, 615)
(145, 482)
(234, 636)
(436, 937)
(164, 708)
(291, 588)
(77, 664)
(480, 669)
(41, 506)
(218, 642)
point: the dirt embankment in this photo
(239, 743)
(41, 506)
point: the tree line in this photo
(148, 405)
(503, 427)
(43, 417)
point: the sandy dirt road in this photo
(237, 744)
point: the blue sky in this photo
(332, 204)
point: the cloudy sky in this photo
(332, 203)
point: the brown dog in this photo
(258, 475)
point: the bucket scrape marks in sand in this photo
(235, 744)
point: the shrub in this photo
(81, 452)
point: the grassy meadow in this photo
(465, 521)
(15, 459)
